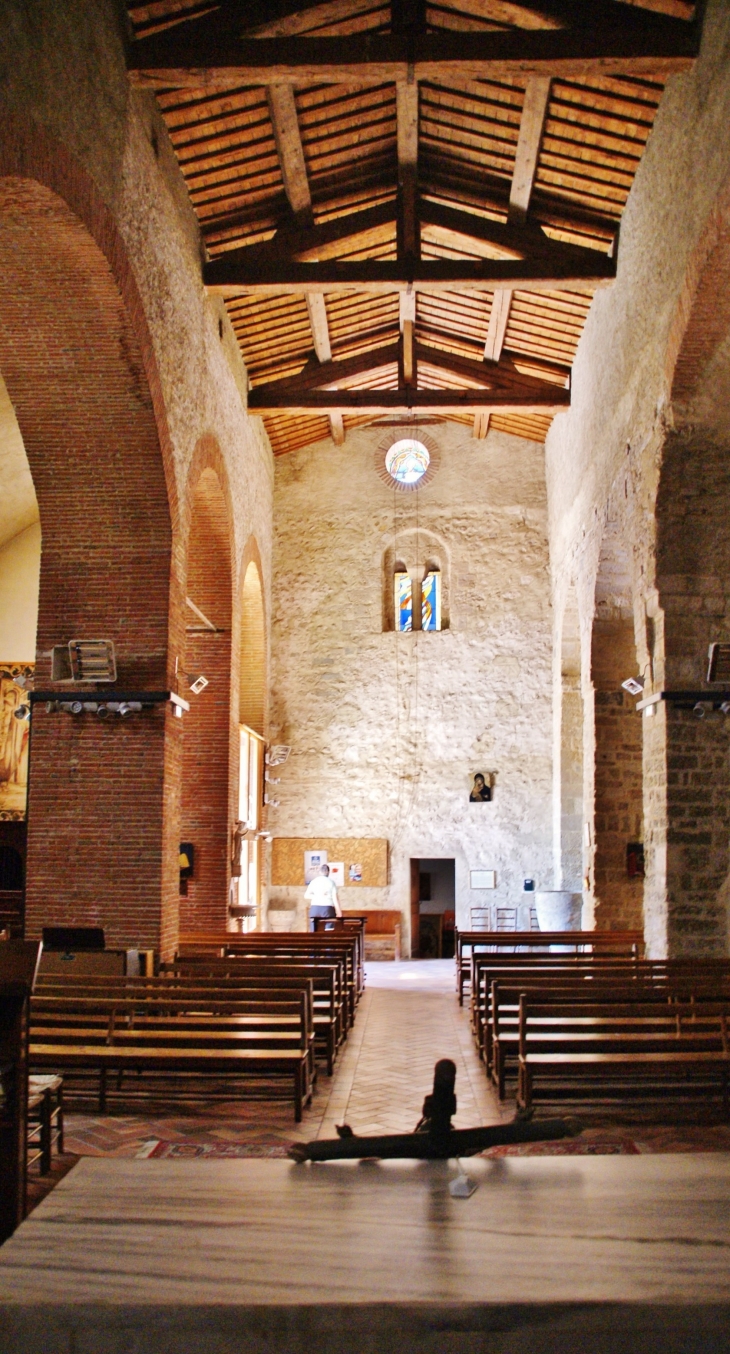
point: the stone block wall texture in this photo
(649, 410)
(132, 373)
(387, 729)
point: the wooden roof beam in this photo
(532, 122)
(283, 277)
(315, 375)
(495, 376)
(609, 38)
(293, 240)
(551, 400)
(283, 111)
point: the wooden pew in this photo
(286, 946)
(500, 942)
(593, 1066)
(559, 970)
(568, 1013)
(166, 1026)
(328, 994)
(525, 968)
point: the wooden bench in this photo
(593, 1066)
(295, 947)
(288, 946)
(327, 987)
(565, 970)
(501, 942)
(573, 1018)
(522, 968)
(169, 1029)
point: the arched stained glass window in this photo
(407, 460)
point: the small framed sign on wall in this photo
(483, 879)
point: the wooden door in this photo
(415, 909)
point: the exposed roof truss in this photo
(408, 206)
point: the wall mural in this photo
(14, 740)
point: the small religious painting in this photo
(481, 790)
(313, 862)
(403, 602)
(355, 874)
(14, 740)
(337, 873)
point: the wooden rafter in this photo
(454, 205)
(207, 54)
(283, 112)
(587, 268)
(532, 122)
(551, 401)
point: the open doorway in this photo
(433, 893)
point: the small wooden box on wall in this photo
(370, 853)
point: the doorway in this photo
(433, 894)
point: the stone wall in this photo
(388, 729)
(640, 456)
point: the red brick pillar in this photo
(102, 804)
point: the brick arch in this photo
(208, 758)
(252, 687)
(28, 152)
(76, 359)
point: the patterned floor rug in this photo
(211, 1151)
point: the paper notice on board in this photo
(313, 862)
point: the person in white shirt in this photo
(322, 897)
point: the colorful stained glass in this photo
(431, 601)
(407, 460)
(403, 602)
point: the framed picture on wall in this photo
(14, 740)
(481, 790)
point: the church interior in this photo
(364, 676)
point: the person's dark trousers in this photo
(319, 910)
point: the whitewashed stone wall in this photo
(388, 729)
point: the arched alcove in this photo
(206, 813)
(616, 873)
(252, 666)
(72, 355)
(570, 780)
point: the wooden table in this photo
(247, 1256)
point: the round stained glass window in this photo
(407, 460)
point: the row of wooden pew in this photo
(253, 1012)
(600, 1025)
